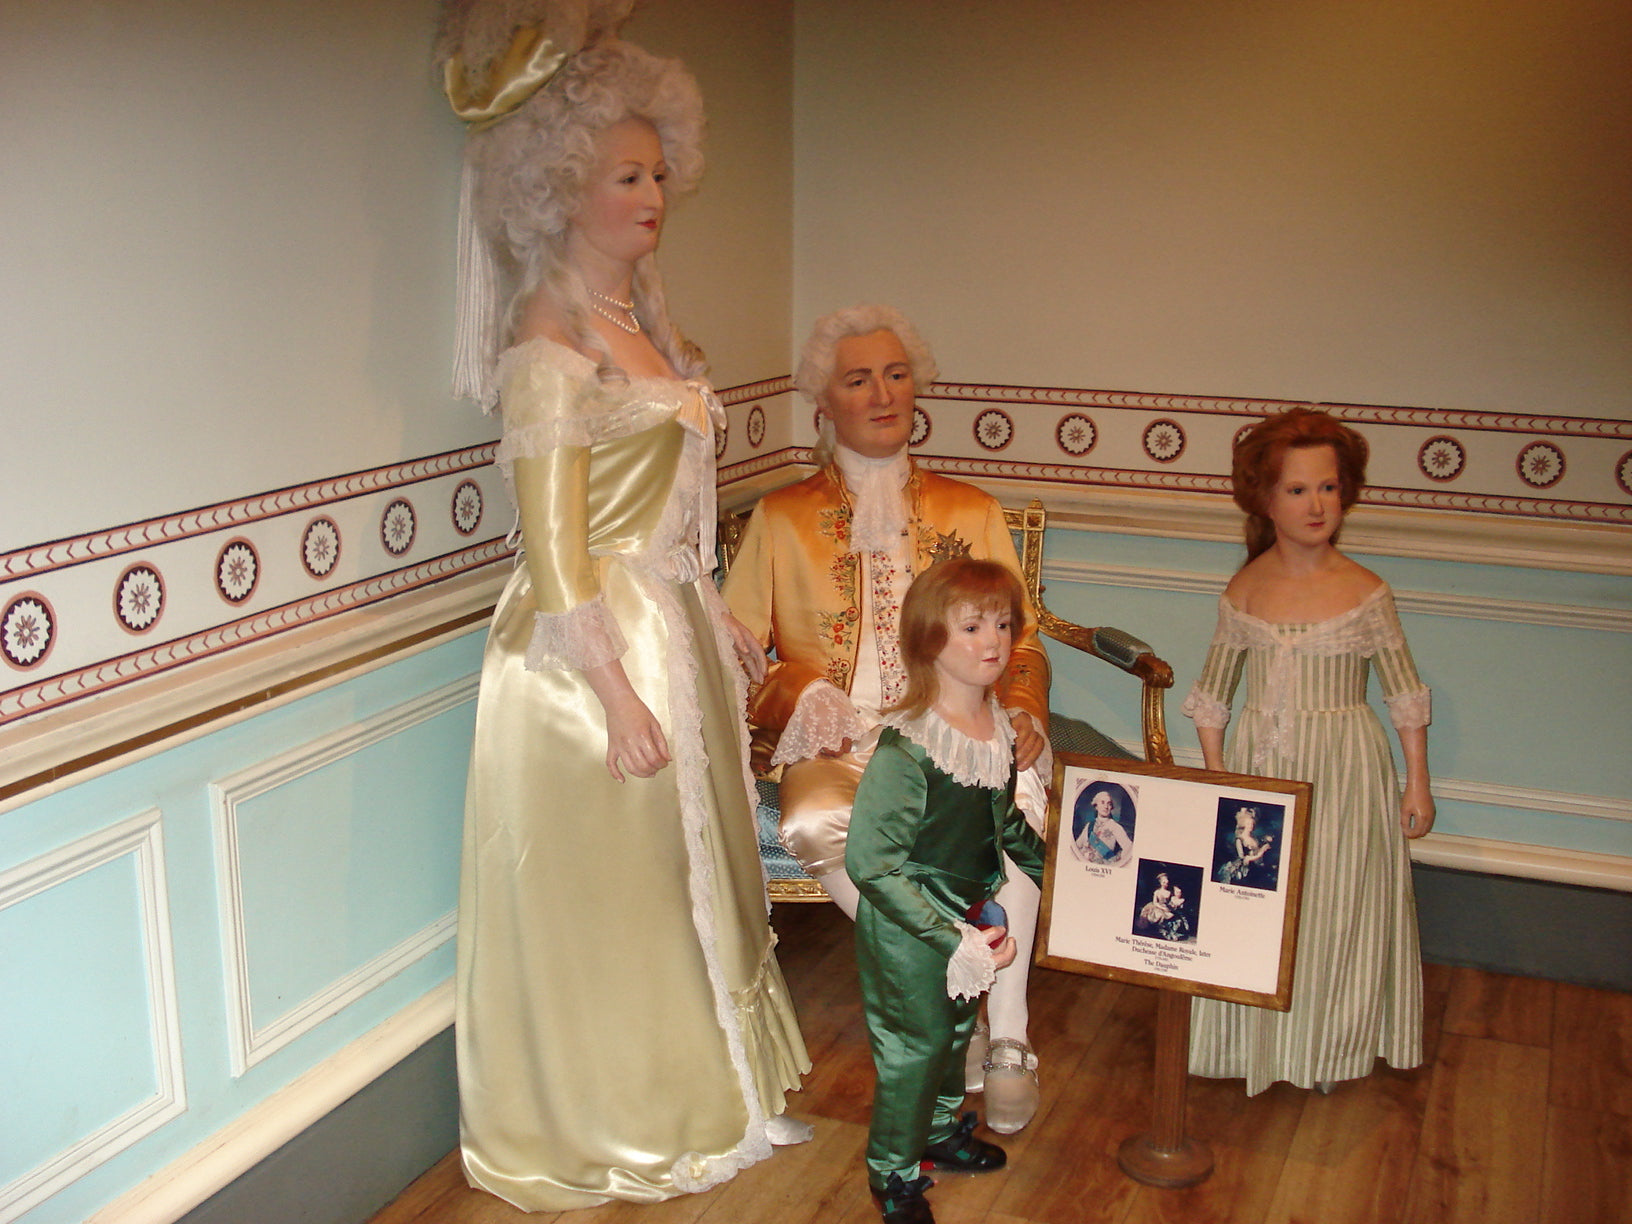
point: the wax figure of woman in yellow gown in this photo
(820, 577)
(623, 1028)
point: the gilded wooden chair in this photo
(786, 881)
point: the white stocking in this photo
(847, 896)
(1006, 1004)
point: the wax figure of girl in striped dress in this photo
(1306, 626)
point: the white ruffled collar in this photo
(969, 762)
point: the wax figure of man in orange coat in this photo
(823, 568)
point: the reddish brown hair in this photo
(934, 595)
(1261, 453)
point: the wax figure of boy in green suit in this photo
(923, 849)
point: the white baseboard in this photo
(175, 1190)
(1582, 867)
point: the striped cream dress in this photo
(1357, 989)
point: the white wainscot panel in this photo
(91, 1058)
(338, 867)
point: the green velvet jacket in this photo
(923, 847)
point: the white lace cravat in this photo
(878, 501)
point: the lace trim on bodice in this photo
(1369, 627)
(552, 399)
(968, 761)
(544, 419)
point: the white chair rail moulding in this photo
(59, 748)
(1586, 868)
(1467, 607)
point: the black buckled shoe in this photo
(961, 1152)
(904, 1202)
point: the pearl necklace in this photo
(628, 308)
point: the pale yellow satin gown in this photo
(623, 1027)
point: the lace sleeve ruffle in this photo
(1208, 703)
(972, 968)
(823, 718)
(585, 637)
(1204, 709)
(1408, 711)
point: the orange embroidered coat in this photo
(798, 590)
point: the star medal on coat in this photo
(948, 545)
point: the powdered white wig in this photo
(817, 357)
(527, 172)
(532, 167)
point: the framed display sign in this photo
(1182, 879)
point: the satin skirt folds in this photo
(623, 1026)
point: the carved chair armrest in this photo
(1117, 647)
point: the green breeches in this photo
(918, 1037)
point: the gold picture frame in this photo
(1187, 880)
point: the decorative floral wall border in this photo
(41, 557)
(1181, 444)
(136, 665)
(1546, 467)
(325, 547)
(1375, 414)
(191, 585)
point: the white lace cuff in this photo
(1408, 711)
(973, 967)
(1031, 785)
(586, 637)
(1205, 710)
(823, 718)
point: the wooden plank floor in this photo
(1522, 1115)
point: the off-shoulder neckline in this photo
(1375, 593)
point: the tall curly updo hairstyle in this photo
(537, 81)
(531, 170)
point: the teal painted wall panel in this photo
(396, 810)
(343, 863)
(76, 999)
(1531, 705)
